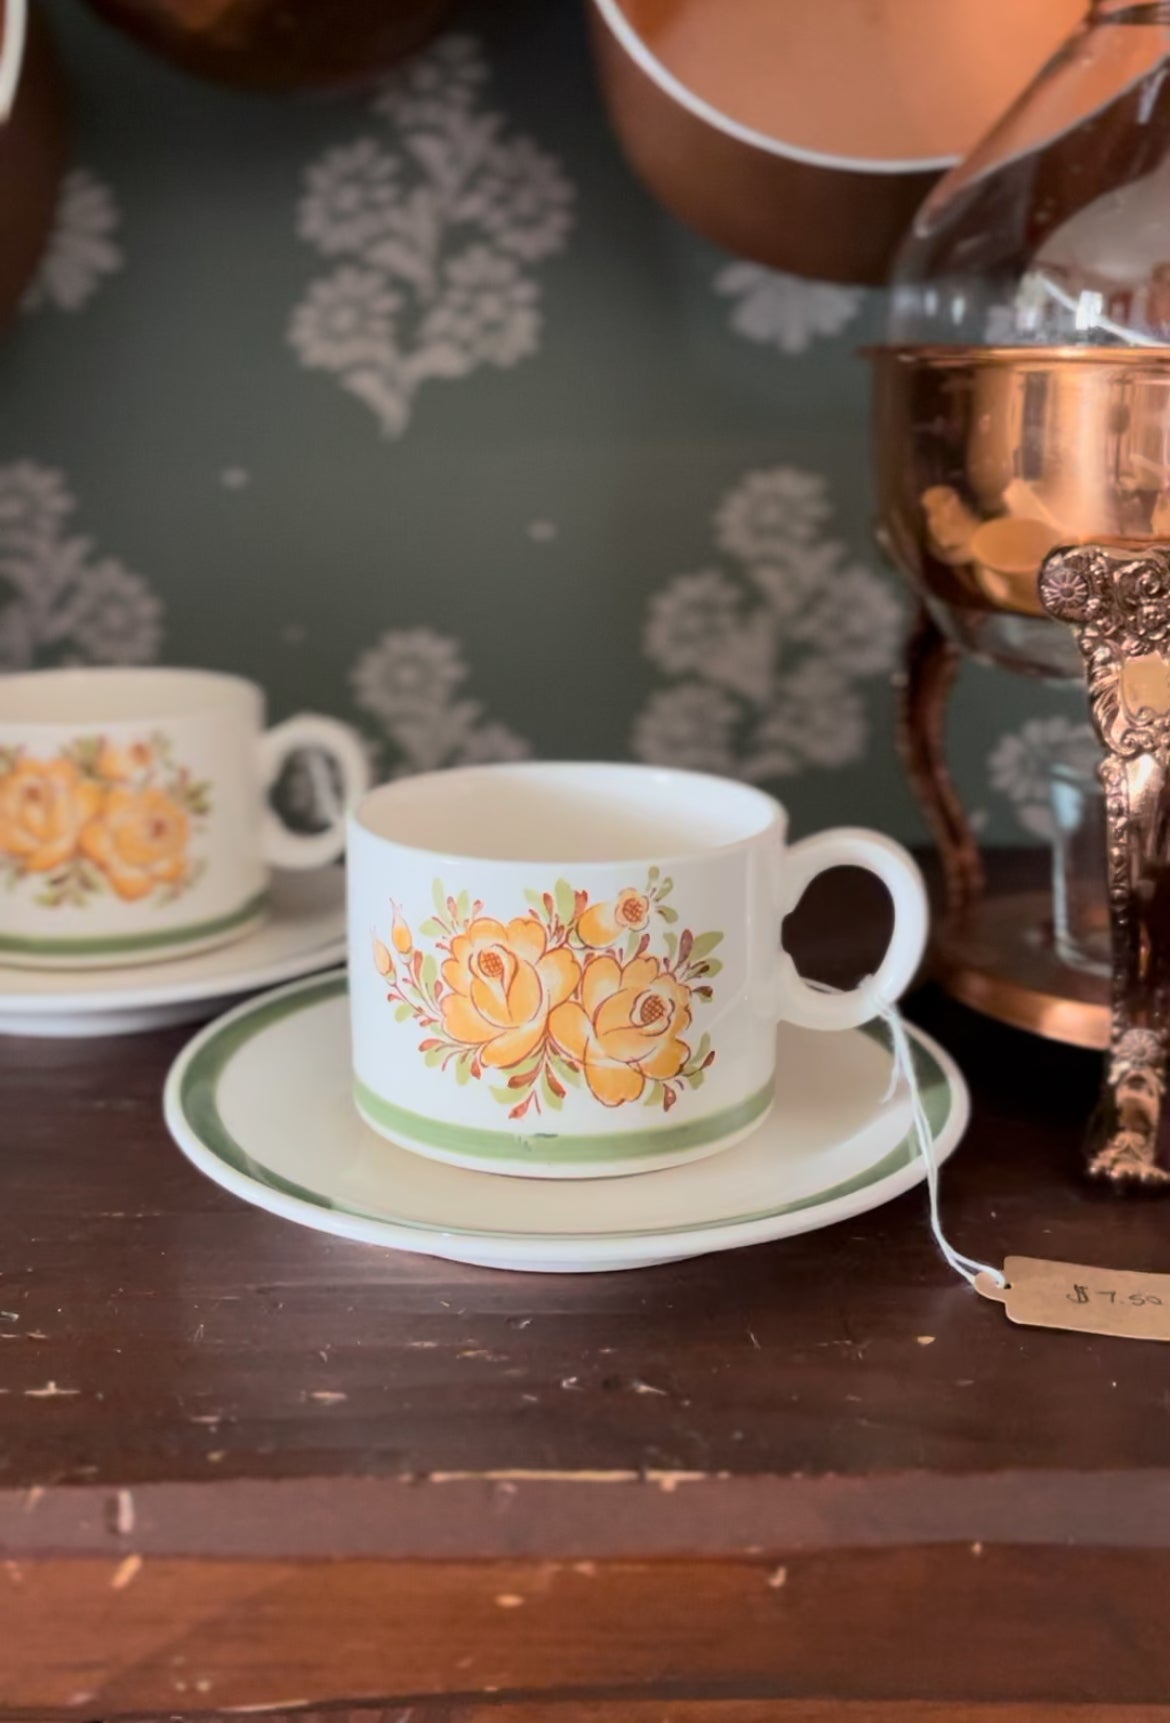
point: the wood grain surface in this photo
(247, 1465)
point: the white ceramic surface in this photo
(134, 823)
(572, 970)
(260, 1102)
(304, 932)
(13, 36)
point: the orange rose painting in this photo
(626, 1028)
(569, 994)
(100, 818)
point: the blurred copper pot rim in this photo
(672, 86)
(1018, 358)
(13, 35)
(805, 137)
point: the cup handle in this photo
(282, 846)
(849, 846)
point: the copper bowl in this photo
(280, 44)
(34, 147)
(830, 192)
(987, 458)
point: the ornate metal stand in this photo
(931, 667)
(1117, 601)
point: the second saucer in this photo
(305, 931)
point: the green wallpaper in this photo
(414, 406)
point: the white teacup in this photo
(134, 824)
(576, 970)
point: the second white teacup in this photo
(576, 970)
(134, 821)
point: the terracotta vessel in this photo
(279, 44)
(33, 146)
(805, 136)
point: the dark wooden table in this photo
(247, 1466)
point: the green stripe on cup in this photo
(554, 1147)
(126, 944)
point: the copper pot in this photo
(279, 44)
(987, 458)
(806, 136)
(33, 146)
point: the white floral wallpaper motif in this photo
(411, 683)
(785, 311)
(61, 603)
(83, 247)
(435, 225)
(1020, 764)
(766, 649)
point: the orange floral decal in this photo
(627, 1027)
(100, 818)
(45, 806)
(566, 994)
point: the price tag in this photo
(1042, 1294)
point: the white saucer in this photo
(260, 1101)
(305, 931)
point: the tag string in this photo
(904, 1071)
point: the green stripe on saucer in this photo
(199, 1105)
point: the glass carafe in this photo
(1024, 398)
